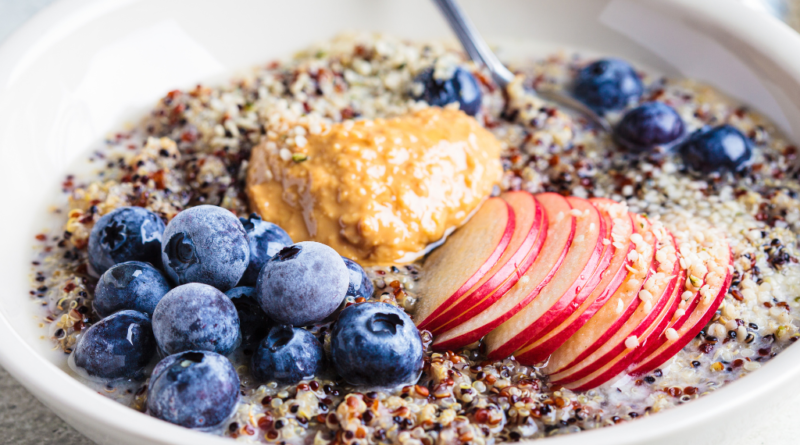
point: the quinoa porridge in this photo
(194, 148)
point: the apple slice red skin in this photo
(578, 281)
(479, 331)
(540, 352)
(655, 342)
(642, 327)
(481, 305)
(554, 337)
(613, 328)
(505, 275)
(562, 303)
(651, 342)
(626, 314)
(504, 279)
(650, 364)
(580, 289)
(625, 361)
(491, 260)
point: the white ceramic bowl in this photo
(80, 68)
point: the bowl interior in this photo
(84, 68)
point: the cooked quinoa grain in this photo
(193, 148)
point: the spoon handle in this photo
(479, 52)
(473, 43)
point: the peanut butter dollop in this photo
(377, 191)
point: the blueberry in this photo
(460, 87)
(125, 234)
(360, 284)
(196, 316)
(117, 347)
(205, 244)
(288, 355)
(720, 148)
(302, 284)
(265, 239)
(607, 84)
(130, 285)
(376, 344)
(648, 125)
(253, 322)
(194, 389)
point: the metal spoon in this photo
(479, 52)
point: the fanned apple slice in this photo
(528, 227)
(689, 299)
(674, 309)
(480, 320)
(472, 251)
(656, 292)
(617, 309)
(664, 318)
(537, 334)
(573, 275)
(710, 296)
(623, 360)
(467, 314)
(611, 277)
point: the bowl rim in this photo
(57, 389)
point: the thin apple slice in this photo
(617, 309)
(465, 311)
(538, 334)
(529, 260)
(656, 292)
(472, 251)
(674, 309)
(710, 296)
(623, 360)
(481, 319)
(611, 277)
(529, 217)
(690, 298)
(574, 275)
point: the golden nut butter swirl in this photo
(377, 191)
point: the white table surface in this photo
(25, 421)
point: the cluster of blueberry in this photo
(196, 289)
(612, 84)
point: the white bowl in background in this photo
(80, 68)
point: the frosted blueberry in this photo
(193, 389)
(125, 234)
(196, 316)
(288, 355)
(117, 347)
(648, 125)
(253, 322)
(607, 84)
(461, 87)
(205, 244)
(129, 285)
(716, 149)
(265, 239)
(302, 284)
(360, 285)
(376, 344)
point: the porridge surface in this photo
(193, 148)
